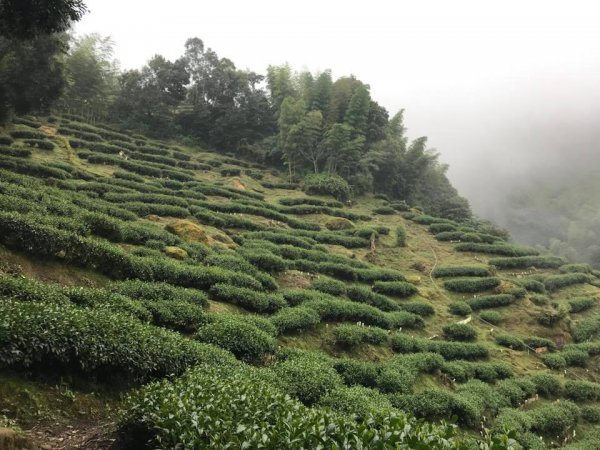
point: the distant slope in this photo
(126, 260)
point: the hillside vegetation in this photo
(181, 298)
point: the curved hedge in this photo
(94, 341)
(490, 301)
(524, 262)
(470, 285)
(496, 249)
(395, 288)
(461, 271)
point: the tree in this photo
(292, 111)
(31, 74)
(91, 74)
(304, 139)
(357, 114)
(280, 85)
(26, 19)
(321, 93)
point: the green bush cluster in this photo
(496, 249)
(459, 308)
(395, 288)
(158, 292)
(580, 304)
(491, 301)
(575, 268)
(166, 414)
(524, 262)
(460, 271)
(329, 286)
(471, 285)
(400, 236)
(459, 332)
(239, 336)
(449, 350)
(586, 329)
(248, 298)
(555, 282)
(349, 336)
(299, 318)
(462, 371)
(493, 317)
(327, 184)
(44, 335)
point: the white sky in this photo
(480, 78)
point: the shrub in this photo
(395, 288)
(27, 134)
(357, 401)
(42, 144)
(339, 223)
(459, 332)
(490, 301)
(329, 286)
(362, 294)
(463, 371)
(449, 350)
(591, 414)
(441, 227)
(295, 319)
(401, 236)
(547, 385)
(356, 372)
(467, 285)
(349, 336)
(493, 317)
(94, 341)
(575, 268)
(248, 298)
(586, 329)
(524, 262)
(327, 184)
(555, 282)
(461, 271)
(581, 304)
(419, 308)
(231, 172)
(15, 152)
(235, 334)
(554, 361)
(459, 309)
(576, 357)
(5, 140)
(496, 249)
(533, 285)
(384, 210)
(265, 260)
(307, 377)
(555, 418)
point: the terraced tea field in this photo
(156, 293)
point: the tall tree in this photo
(321, 94)
(292, 112)
(91, 73)
(31, 74)
(357, 114)
(304, 139)
(281, 85)
(26, 19)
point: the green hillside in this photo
(153, 292)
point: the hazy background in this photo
(507, 91)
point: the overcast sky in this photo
(492, 83)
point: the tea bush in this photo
(235, 334)
(248, 298)
(295, 319)
(493, 317)
(554, 361)
(555, 418)
(356, 401)
(471, 285)
(459, 332)
(555, 282)
(491, 301)
(327, 184)
(581, 304)
(395, 288)
(348, 336)
(496, 249)
(440, 227)
(585, 329)
(362, 294)
(547, 385)
(419, 308)
(460, 271)
(94, 341)
(329, 286)
(401, 236)
(575, 268)
(524, 262)
(459, 308)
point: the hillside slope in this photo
(126, 260)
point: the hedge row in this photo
(248, 298)
(490, 301)
(461, 271)
(496, 249)
(42, 335)
(402, 343)
(349, 336)
(462, 371)
(555, 282)
(524, 262)
(471, 285)
(395, 288)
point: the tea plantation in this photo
(156, 295)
